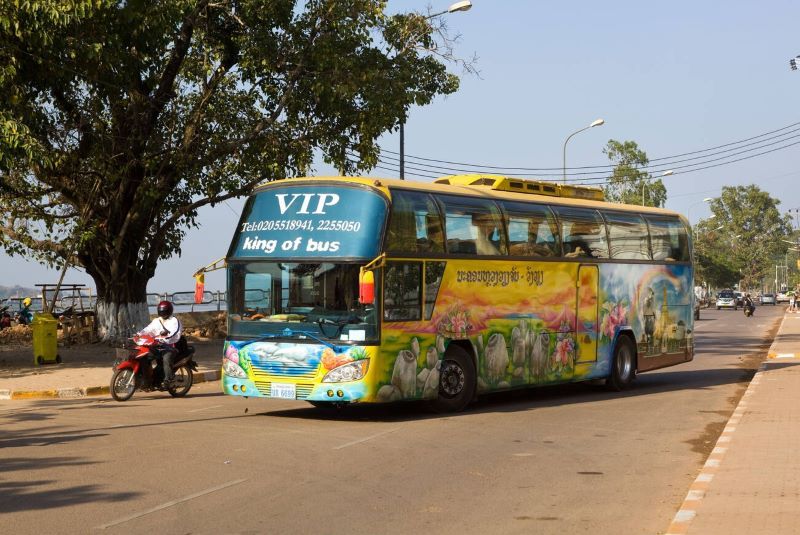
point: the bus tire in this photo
(623, 365)
(457, 380)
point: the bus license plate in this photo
(283, 390)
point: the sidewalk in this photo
(751, 481)
(85, 370)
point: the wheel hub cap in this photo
(452, 378)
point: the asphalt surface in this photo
(568, 459)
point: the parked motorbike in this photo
(5, 317)
(143, 370)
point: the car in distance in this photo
(727, 299)
(739, 298)
(781, 297)
(768, 299)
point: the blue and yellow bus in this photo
(358, 290)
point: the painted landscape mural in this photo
(527, 323)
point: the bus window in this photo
(434, 271)
(473, 226)
(402, 300)
(669, 240)
(583, 232)
(627, 236)
(532, 230)
(415, 225)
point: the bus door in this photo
(587, 314)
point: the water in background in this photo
(183, 301)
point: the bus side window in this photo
(669, 240)
(415, 225)
(532, 229)
(473, 226)
(627, 236)
(402, 289)
(583, 233)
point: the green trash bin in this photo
(45, 339)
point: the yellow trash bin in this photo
(45, 339)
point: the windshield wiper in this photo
(353, 319)
(288, 333)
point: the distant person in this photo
(167, 330)
(25, 316)
(793, 302)
(747, 303)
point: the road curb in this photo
(85, 391)
(682, 521)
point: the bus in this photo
(358, 290)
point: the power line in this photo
(602, 179)
(666, 161)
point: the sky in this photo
(675, 77)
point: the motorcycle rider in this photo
(167, 329)
(748, 303)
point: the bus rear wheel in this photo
(457, 381)
(623, 365)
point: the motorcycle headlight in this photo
(232, 369)
(352, 371)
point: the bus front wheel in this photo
(456, 382)
(623, 365)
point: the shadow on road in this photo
(529, 398)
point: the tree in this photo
(118, 120)
(629, 182)
(713, 263)
(748, 236)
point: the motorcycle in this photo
(5, 317)
(749, 309)
(142, 370)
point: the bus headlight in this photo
(352, 371)
(232, 369)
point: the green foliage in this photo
(742, 240)
(629, 183)
(118, 120)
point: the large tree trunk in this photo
(121, 296)
(117, 321)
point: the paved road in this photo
(570, 459)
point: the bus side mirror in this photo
(366, 287)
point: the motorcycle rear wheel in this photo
(182, 382)
(123, 384)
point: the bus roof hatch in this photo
(521, 185)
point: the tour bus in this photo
(358, 290)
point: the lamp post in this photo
(665, 173)
(464, 5)
(689, 211)
(596, 122)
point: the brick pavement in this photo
(751, 481)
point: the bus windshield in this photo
(311, 299)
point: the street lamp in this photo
(597, 122)
(464, 5)
(689, 211)
(665, 173)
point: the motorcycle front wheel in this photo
(182, 382)
(123, 384)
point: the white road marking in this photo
(359, 441)
(170, 504)
(206, 408)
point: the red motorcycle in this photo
(143, 370)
